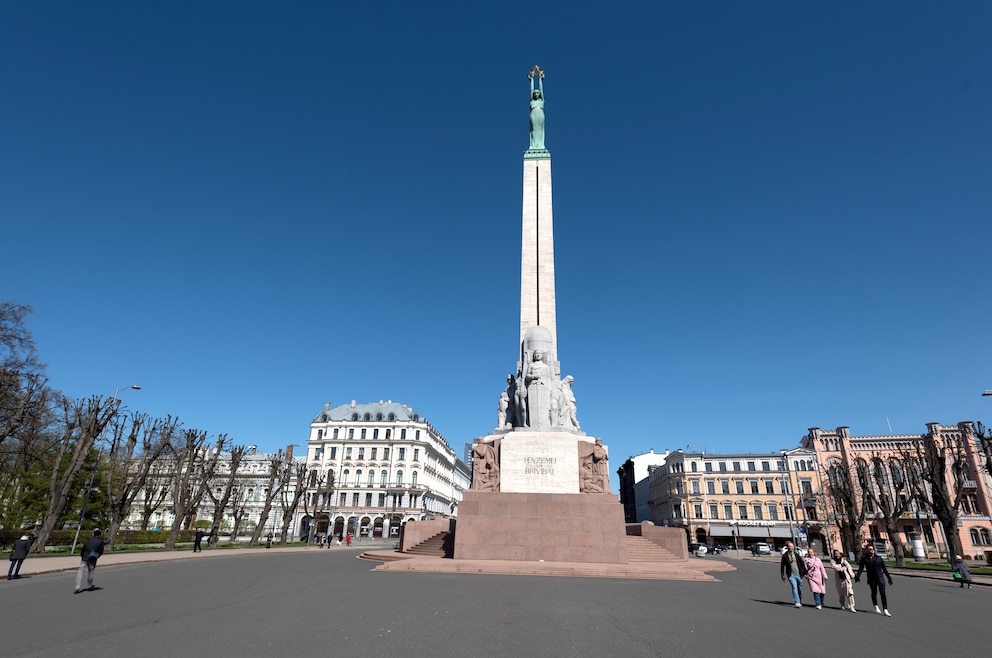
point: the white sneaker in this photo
(819, 607)
(799, 605)
(853, 610)
(886, 613)
(878, 610)
(843, 607)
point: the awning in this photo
(748, 531)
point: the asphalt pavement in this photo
(327, 602)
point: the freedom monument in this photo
(540, 487)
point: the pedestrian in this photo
(960, 567)
(347, 540)
(91, 552)
(20, 552)
(754, 550)
(198, 541)
(817, 577)
(793, 569)
(268, 540)
(877, 575)
(844, 581)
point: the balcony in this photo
(969, 484)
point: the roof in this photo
(389, 410)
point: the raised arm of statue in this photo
(537, 110)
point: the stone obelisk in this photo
(540, 487)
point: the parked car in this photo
(698, 549)
(762, 548)
(714, 549)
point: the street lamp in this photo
(89, 485)
(789, 509)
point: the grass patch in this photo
(941, 566)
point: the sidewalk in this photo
(37, 565)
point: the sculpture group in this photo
(535, 397)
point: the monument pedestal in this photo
(541, 526)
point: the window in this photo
(697, 510)
(714, 514)
(347, 452)
(766, 466)
(344, 477)
(725, 486)
(385, 453)
(402, 454)
(695, 486)
(416, 454)
(413, 479)
(772, 512)
(692, 467)
(403, 433)
(336, 432)
(368, 500)
(320, 435)
(318, 453)
(417, 435)
(709, 467)
(382, 500)
(375, 433)
(750, 466)
(980, 537)
(361, 452)
(368, 417)
(389, 433)
(383, 477)
(363, 432)
(371, 479)
(354, 416)
(313, 479)
(789, 513)
(742, 510)
(728, 511)
(739, 484)
(354, 500)
(399, 477)
(373, 452)
(769, 486)
(710, 487)
(378, 416)
(756, 508)
(343, 500)
(737, 466)
(351, 433)
(723, 467)
(806, 486)
(754, 486)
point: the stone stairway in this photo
(440, 545)
(640, 549)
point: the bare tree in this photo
(884, 486)
(194, 467)
(131, 468)
(277, 479)
(239, 505)
(82, 424)
(939, 466)
(320, 488)
(291, 499)
(220, 500)
(843, 499)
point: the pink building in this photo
(863, 476)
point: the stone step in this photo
(640, 549)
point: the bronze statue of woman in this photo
(537, 109)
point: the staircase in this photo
(640, 549)
(440, 545)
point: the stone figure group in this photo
(485, 466)
(535, 398)
(594, 474)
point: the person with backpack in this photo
(91, 552)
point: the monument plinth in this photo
(540, 487)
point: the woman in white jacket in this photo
(844, 581)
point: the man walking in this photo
(198, 540)
(92, 550)
(794, 569)
(877, 575)
(20, 552)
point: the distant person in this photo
(793, 569)
(817, 577)
(91, 552)
(877, 575)
(959, 565)
(20, 553)
(844, 581)
(198, 541)
(268, 540)
(347, 539)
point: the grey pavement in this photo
(327, 602)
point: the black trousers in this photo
(876, 589)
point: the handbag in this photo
(957, 575)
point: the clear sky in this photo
(768, 216)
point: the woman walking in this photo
(817, 577)
(962, 568)
(844, 581)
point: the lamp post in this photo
(789, 509)
(89, 485)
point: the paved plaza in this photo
(311, 602)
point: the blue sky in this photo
(768, 216)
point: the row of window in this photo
(336, 432)
(766, 465)
(739, 485)
(745, 511)
(316, 480)
(373, 453)
(355, 500)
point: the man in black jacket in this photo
(877, 575)
(92, 550)
(793, 568)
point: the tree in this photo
(82, 424)
(848, 510)
(291, 499)
(883, 485)
(130, 468)
(193, 469)
(277, 479)
(318, 499)
(221, 500)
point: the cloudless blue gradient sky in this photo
(768, 216)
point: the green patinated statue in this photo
(537, 110)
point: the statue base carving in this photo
(537, 154)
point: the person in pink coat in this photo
(817, 577)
